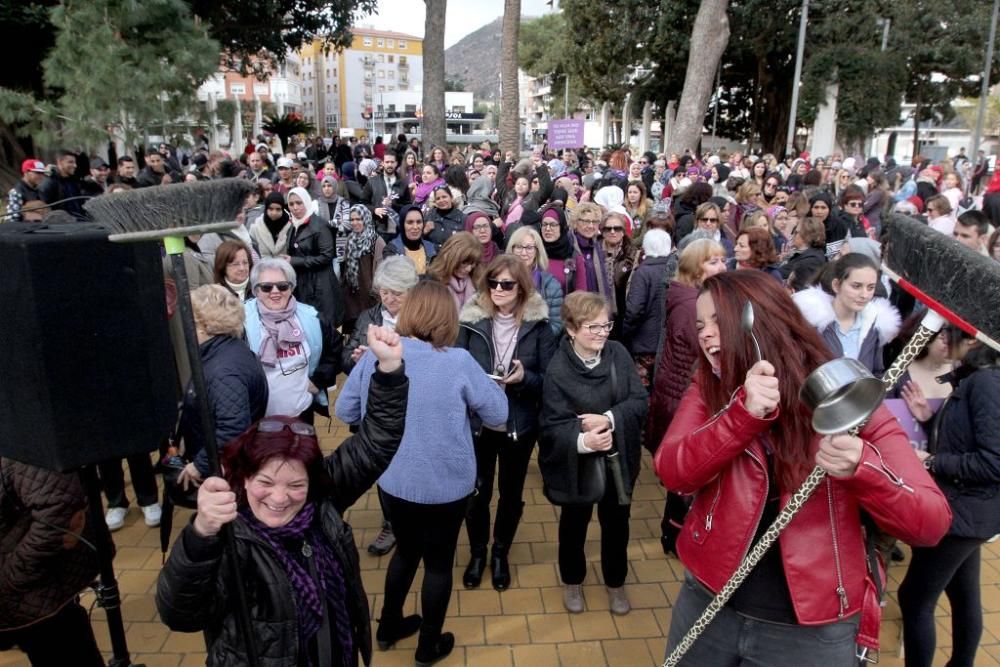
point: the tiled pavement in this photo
(525, 626)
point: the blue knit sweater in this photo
(436, 462)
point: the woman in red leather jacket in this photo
(742, 443)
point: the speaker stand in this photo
(108, 597)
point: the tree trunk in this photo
(916, 123)
(709, 37)
(432, 126)
(510, 115)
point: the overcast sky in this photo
(464, 16)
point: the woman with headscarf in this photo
(334, 209)
(410, 241)
(564, 260)
(270, 231)
(311, 250)
(821, 209)
(362, 256)
(354, 189)
(481, 228)
(443, 218)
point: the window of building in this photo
(367, 41)
(392, 75)
(391, 108)
(381, 58)
(402, 60)
(410, 108)
(402, 43)
(458, 109)
(328, 88)
(391, 43)
(381, 89)
(237, 89)
(380, 43)
(392, 59)
(381, 74)
(392, 88)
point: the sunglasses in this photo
(708, 219)
(853, 203)
(504, 285)
(298, 428)
(613, 230)
(269, 287)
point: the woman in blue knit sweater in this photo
(429, 481)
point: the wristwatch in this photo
(929, 463)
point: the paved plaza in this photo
(525, 626)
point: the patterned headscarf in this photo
(359, 244)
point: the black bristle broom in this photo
(169, 213)
(956, 284)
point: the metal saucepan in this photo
(842, 394)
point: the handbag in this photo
(170, 465)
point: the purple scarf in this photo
(282, 331)
(593, 260)
(424, 190)
(306, 591)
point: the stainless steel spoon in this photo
(747, 322)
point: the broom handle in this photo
(175, 248)
(930, 325)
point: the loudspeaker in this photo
(85, 356)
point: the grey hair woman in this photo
(393, 279)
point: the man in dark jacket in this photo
(64, 185)
(383, 184)
(45, 562)
(126, 172)
(154, 171)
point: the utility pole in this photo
(984, 92)
(800, 51)
(566, 99)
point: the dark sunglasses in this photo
(505, 285)
(612, 228)
(298, 428)
(708, 219)
(856, 202)
(269, 287)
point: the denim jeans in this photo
(734, 640)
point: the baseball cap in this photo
(98, 163)
(284, 163)
(31, 164)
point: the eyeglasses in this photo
(852, 204)
(298, 428)
(588, 222)
(549, 224)
(480, 226)
(770, 184)
(597, 329)
(504, 285)
(613, 230)
(269, 287)
(517, 247)
(708, 219)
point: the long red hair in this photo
(790, 343)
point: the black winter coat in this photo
(805, 264)
(446, 225)
(967, 454)
(359, 336)
(193, 591)
(237, 393)
(572, 389)
(534, 349)
(645, 305)
(312, 248)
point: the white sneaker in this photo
(115, 518)
(152, 514)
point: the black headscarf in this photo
(561, 248)
(275, 226)
(408, 244)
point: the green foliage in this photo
(256, 34)
(541, 52)
(289, 125)
(114, 63)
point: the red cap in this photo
(31, 164)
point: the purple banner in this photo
(566, 133)
(911, 427)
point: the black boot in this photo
(433, 646)
(500, 567)
(388, 632)
(474, 572)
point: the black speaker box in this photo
(86, 365)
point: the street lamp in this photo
(799, 52)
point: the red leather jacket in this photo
(721, 460)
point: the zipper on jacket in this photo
(714, 418)
(715, 501)
(886, 470)
(841, 590)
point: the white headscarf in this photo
(311, 206)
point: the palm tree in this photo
(510, 106)
(432, 125)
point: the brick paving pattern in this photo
(525, 626)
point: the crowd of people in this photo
(585, 304)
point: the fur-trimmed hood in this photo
(817, 307)
(536, 309)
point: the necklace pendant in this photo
(307, 550)
(499, 370)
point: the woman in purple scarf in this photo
(586, 224)
(300, 567)
(430, 178)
